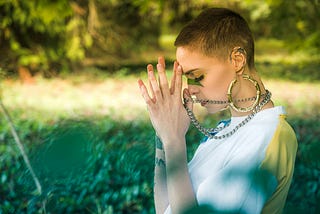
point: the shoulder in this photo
(273, 123)
(267, 123)
(253, 140)
(282, 148)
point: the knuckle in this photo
(149, 102)
(161, 70)
(164, 85)
(151, 77)
(157, 91)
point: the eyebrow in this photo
(190, 71)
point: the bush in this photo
(82, 166)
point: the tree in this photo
(46, 35)
(123, 28)
(40, 35)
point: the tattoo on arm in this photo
(160, 162)
(159, 144)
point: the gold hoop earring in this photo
(258, 94)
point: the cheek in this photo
(216, 88)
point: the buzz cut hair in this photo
(216, 32)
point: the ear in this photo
(238, 59)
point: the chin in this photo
(213, 110)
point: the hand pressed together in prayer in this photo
(171, 122)
(167, 113)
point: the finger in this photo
(144, 92)
(152, 92)
(149, 67)
(187, 96)
(154, 84)
(173, 78)
(163, 81)
(178, 81)
(162, 61)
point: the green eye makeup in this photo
(194, 78)
(195, 81)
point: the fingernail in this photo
(140, 82)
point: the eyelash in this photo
(201, 77)
(195, 81)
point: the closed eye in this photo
(196, 81)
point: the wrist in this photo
(175, 145)
(175, 156)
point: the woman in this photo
(246, 164)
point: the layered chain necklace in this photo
(211, 132)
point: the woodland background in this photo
(68, 78)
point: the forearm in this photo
(160, 183)
(180, 190)
(169, 118)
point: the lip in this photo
(203, 103)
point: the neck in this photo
(246, 89)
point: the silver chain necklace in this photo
(219, 101)
(211, 132)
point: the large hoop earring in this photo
(258, 94)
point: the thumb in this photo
(187, 99)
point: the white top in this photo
(226, 174)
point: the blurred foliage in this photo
(113, 173)
(40, 35)
(295, 22)
(304, 194)
(120, 28)
(50, 36)
(296, 72)
(114, 176)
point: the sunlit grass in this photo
(119, 97)
(51, 99)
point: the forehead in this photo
(193, 59)
(184, 52)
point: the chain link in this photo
(211, 132)
(220, 101)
